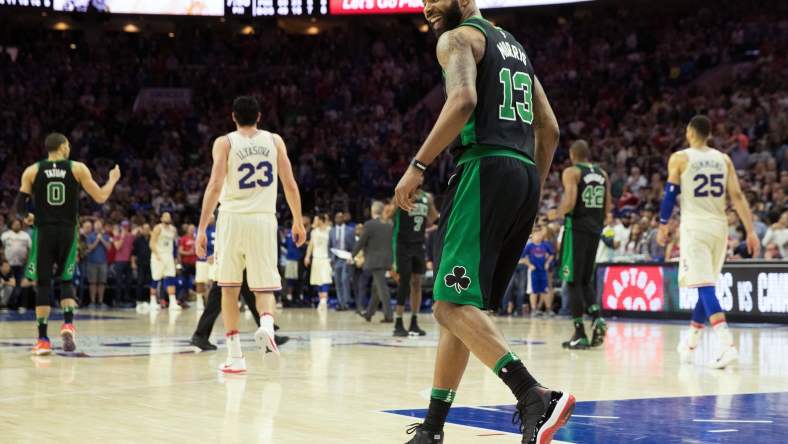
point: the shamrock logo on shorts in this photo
(457, 279)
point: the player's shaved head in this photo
(701, 125)
(246, 110)
(580, 151)
(54, 141)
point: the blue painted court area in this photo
(756, 418)
(30, 315)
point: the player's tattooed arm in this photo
(456, 54)
(546, 131)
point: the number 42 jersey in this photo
(703, 184)
(251, 182)
(588, 214)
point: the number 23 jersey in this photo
(251, 182)
(703, 184)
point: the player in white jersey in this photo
(162, 262)
(246, 164)
(703, 175)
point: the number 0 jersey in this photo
(55, 194)
(251, 182)
(703, 187)
(504, 84)
(589, 212)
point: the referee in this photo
(53, 185)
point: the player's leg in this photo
(570, 260)
(415, 301)
(382, 292)
(169, 283)
(262, 275)
(405, 270)
(67, 262)
(39, 270)
(200, 279)
(450, 362)
(686, 348)
(230, 265)
(728, 353)
(587, 246)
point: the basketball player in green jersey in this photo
(53, 185)
(410, 258)
(585, 203)
(507, 137)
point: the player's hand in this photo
(394, 275)
(114, 174)
(201, 244)
(299, 233)
(209, 259)
(663, 235)
(753, 245)
(307, 261)
(406, 188)
(552, 215)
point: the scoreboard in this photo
(256, 8)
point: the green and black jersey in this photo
(588, 214)
(55, 194)
(504, 86)
(410, 226)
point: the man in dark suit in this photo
(342, 237)
(375, 242)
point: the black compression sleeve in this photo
(21, 204)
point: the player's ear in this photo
(259, 116)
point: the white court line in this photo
(738, 421)
(596, 417)
(723, 431)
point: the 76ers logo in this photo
(633, 288)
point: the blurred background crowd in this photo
(354, 103)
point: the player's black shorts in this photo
(578, 254)
(486, 219)
(411, 258)
(53, 245)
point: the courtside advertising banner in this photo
(753, 289)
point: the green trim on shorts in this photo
(394, 239)
(568, 252)
(457, 279)
(71, 260)
(31, 272)
(475, 152)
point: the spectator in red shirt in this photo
(187, 256)
(122, 242)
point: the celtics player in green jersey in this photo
(507, 134)
(410, 258)
(584, 205)
(53, 186)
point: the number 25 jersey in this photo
(251, 182)
(703, 187)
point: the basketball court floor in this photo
(134, 378)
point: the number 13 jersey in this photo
(703, 186)
(251, 182)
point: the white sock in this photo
(234, 345)
(153, 300)
(724, 335)
(694, 337)
(267, 321)
(173, 300)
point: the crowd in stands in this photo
(350, 105)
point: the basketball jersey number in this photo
(56, 193)
(247, 181)
(594, 196)
(520, 81)
(711, 184)
(418, 221)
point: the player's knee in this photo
(441, 310)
